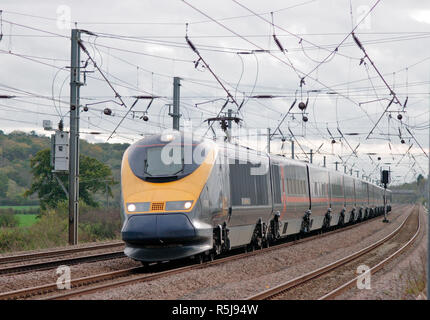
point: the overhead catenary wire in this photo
(257, 105)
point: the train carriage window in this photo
(276, 184)
(243, 185)
(295, 175)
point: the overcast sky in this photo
(140, 46)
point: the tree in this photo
(94, 177)
(3, 184)
(421, 184)
(419, 178)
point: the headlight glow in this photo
(167, 137)
(131, 207)
(178, 205)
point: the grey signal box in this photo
(60, 151)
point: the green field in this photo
(26, 220)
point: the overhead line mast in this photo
(75, 85)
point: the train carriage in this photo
(250, 194)
(209, 198)
(292, 199)
(349, 187)
(337, 197)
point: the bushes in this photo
(99, 223)
(7, 219)
(51, 229)
(12, 239)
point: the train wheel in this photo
(260, 244)
(201, 258)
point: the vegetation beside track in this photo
(18, 148)
(51, 228)
(23, 216)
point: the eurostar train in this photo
(194, 198)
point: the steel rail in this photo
(28, 292)
(272, 292)
(54, 253)
(332, 294)
(66, 261)
(145, 278)
(38, 290)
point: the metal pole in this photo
(229, 114)
(176, 101)
(292, 149)
(324, 163)
(311, 156)
(268, 140)
(385, 204)
(74, 138)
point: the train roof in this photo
(298, 162)
(229, 146)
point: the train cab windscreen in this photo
(154, 164)
(153, 161)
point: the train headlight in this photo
(167, 137)
(138, 206)
(178, 205)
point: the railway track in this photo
(56, 253)
(91, 284)
(332, 294)
(288, 287)
(38, 266)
